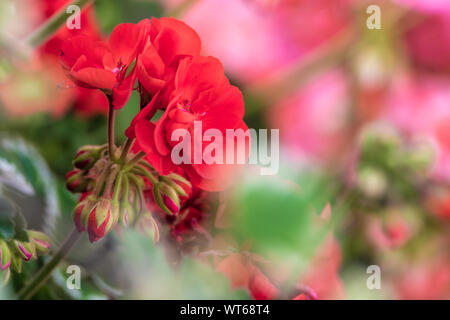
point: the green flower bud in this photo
(166, 198)
(87, 156)
(5, 255)
(40, 241)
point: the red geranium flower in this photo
(169, 41)
(98, 65)
(202, 93)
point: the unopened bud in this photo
(127, 214)
(16, 263)
(4, 276)
(100, 220)
(5, 255)
(86, 157)
(166, 198)
(25, 250)
(75, 181)
(182, 186)
(148, 226)
(82, 209)
(40, 241)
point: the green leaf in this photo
(7, 213)
(278, 215)
(20, 227)
(23, 169)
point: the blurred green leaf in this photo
(278, 215)
(24, 168)
(7, 213)
(112, 12)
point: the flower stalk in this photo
(44, 274)
(111, 119)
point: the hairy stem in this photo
(125, 150)
(44, 274)
(135, 160)
(111, 119)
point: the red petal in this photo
(198, 74)
(95, 78)
(175, 38)
(125, 40)
(146, 113)
(122, 93)
(160, 137)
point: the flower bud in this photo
(16, 263)
(182, 186)
(78, 217)
(40, 241)
(100, 220)
(127, 213)
(166, 198)
(148, 226)
(86, 157)
(82, 210)
(25, 250)
(75, 181)
(5, 255)
(4, 276)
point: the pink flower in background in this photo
(35, 88)
(427, 5)
(50, 83)
(438, 203)
(420, 109)
(428, 42)
(390, 234)
(312, 121)
(322, 277)
(429, 280)
(253, 41)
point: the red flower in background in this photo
(243, 272)
(428, 280)
(58, 98)
(428, 43)
(35, 87)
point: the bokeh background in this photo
(364, 120)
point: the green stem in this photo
(111, 119)
(145, 173)
(53, 24)
(44, 274)
(136, 159)
(125, 150)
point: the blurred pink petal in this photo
(253, 41)
(420, 109)
(428, 43)
(391, 234)
(427, 5)
(323, 274)
(429, 280)
(312, 121)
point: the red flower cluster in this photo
(163, 56)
